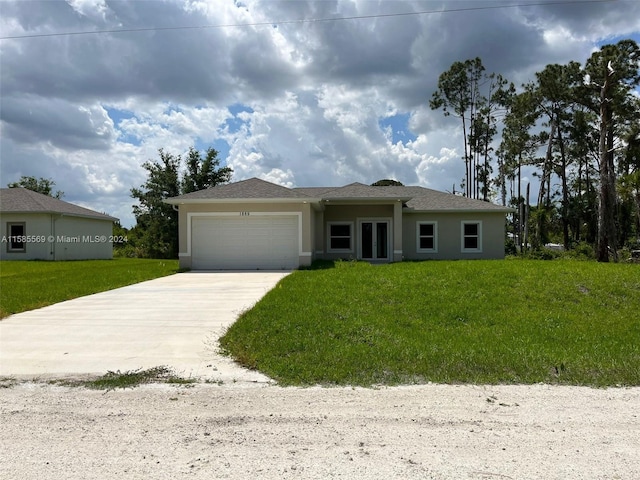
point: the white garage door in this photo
(244, 242)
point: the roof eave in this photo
(351, 200)
(460, 210)
(62, 214)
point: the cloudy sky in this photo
(280, 90)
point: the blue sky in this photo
(398, 126)
(299, 104)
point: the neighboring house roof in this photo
(416, 199)
(22, 200)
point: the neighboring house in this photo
(254, 224)
(39, 227)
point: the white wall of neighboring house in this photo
(82, 238)
(36, 225)
(58, 237)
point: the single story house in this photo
(254, 224)
(34, 226)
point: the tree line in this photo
(577, 126)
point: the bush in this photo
(581, 251)
(127, 250)
(510, 247)
(543, 253)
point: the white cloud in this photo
(90, 8)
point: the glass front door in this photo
(374, 240)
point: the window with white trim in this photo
(427, 237)
(472, 236)
(16, 241)
(340, 237)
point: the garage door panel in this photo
(255, 242)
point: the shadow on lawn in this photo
(329, 264)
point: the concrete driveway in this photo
(173, 321)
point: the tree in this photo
(484, 128)
(517, 149)
(582, 146)
(205, 173)
(460, 92)
(554, 94)
(629, 180)
(40, 185)
(156, 221)
(612, 73)
(156, 230)
(386, 183)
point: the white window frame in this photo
(10, 247)
(435, 237)
(462, 236)
(351, 238)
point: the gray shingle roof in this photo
(252, 188)
(361, 191)
(316, 192)
(427, 200)
(22, 200)
(417, 199)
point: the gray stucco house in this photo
(38, 227)
(254, 224)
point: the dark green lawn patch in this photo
(25, 285)
(518, 321)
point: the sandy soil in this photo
(267, 432)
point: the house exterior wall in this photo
(82, 238)
(449, 235)
(314, 221)
(352, 214)
(318, 234)
(36, 225)
(187, 211)
(58, 237)
(398, 226)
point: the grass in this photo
(26, 285)
(130, 379)
(487, 322)
(113, 380)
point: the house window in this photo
(16, 241)
(472, 236)
(427, 241)
(340, 237)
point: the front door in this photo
(374, 239)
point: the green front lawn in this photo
(512, 321)
(25, 285)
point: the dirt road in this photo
(267, 432)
